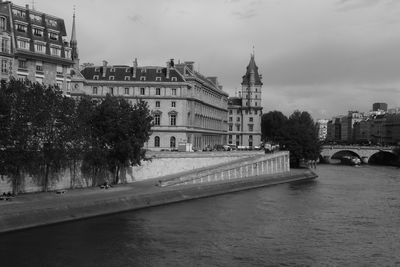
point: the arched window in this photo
(172, 141)
(156, 141)
(3, 23)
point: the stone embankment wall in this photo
(161, 164)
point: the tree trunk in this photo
(117, 174)
(46, 177)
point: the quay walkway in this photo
(39, 209)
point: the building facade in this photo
(245, 111)
(322, 127)
(187, 107)
(33, 46)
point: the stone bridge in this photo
(362, 152)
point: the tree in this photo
(272, 124)
(119, 131)
(300, 137)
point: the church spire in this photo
(74, 44)
(252, 77)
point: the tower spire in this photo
(74, 43)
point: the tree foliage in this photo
(272, 124)
(298, 134)
(42, 132)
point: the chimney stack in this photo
(168, 69)
(135, 65)
(104, 67)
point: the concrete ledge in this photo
(44, 209)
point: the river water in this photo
(349, 216)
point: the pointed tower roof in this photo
(252, 75)
(74, 41)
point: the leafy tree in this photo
(119, 131)
(300, 137)
(272, 124)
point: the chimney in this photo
(104, 67)
(189, 65)
(168, 69)
(214, 80)
(135, 65)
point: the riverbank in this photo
(39, 209)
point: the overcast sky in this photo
(321, 56)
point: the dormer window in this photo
(37, 32)
(112, 70)
(40, 48)
(95, 77)
(96, 69)
(173, 79)
(142, 78)
(111, 78)
(127, 70)
(53, 36)
(127, 78)
(158, 79)
(21, 28)
(143, 70)
(158, 71)
(23, 44)
(19, 13)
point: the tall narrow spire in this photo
(74, 44)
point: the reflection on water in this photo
(348, 216)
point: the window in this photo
(172, 142)
(230, 118)
(127, 78)
(111, 91)
(158, 71)
(51, 22)
(157, 119)
(255, 104)
(158, 91)
(35, 17)
(40, 48)
(19, 13)
(23, 44)
(4, 66)
(3, 23)
(238, 119)
(230, 112)
(4, 45)
(112, 70)
(55, 51)
(142, 78)
(22, 64)
(237, 111)
(157, 104)
(238, 128)
(250, 127)
(230, 137)
(111, 78)
(174, 91)
(156, 141)
(127, 91)
(95, 77)
(39, 66)
(174, 79)
(59, 70)
(38, 32)
(230, 127)
(172, 119)
(142, 91)
(95, 90)
(143, 70)
(53, 36)
(250, 119)
(173, 104)
(21, 28)
(158, 79)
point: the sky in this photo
(322, 56)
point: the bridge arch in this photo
(382, 158)
(345, 152)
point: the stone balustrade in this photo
(253, 166)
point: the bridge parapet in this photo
(363, 152)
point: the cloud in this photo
(245, 14)
(135, 18)
(346, 5)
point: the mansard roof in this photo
(120, 73)
(252, 69)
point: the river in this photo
(349, 216)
